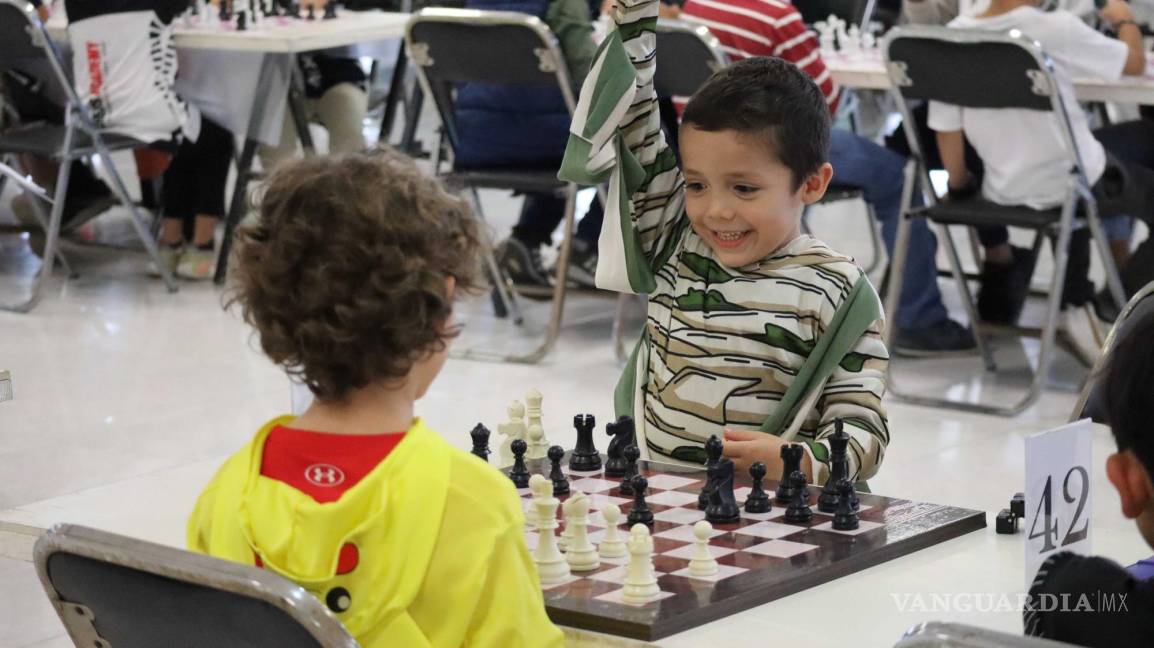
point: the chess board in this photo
(761, 557)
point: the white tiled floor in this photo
(127, 398)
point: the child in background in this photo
(1129, 381)
(747, 317)
(349, 281)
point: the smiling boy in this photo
(740, 301)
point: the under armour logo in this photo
(324, 475)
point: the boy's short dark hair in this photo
(344, 277)
(1128, 391)
(770, 98)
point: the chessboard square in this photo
(617, 596)
(567, 580)
(771, 530)
(592, 485)
(680, 515)
(670, 482)
(863, 527)
(685, 533)
(524, 491)
(781, 548)
(672, 498)
(583, 473)
(723, 572)
(773, 514)
(740, 494)
(616, 575)
(689, 551)
(601, 500)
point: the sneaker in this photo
(582, 265)
(1105, 308)
(169, 255)
(942, 339)
(1004, 288)
(196, 264)
(522, 263)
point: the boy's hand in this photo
(1115, 12)
(745, 447)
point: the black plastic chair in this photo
(987, 70)
(26, 41)
(116, 592)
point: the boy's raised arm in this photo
(616, 137)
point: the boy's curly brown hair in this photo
(345, 276)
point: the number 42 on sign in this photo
(1058, 468)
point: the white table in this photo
(868, 72)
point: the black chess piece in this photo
(713, 449)
(225, 10)
(632, 454)
(758, 499)
(519, 473)
(722, 507)
(330, 10)
(827, 502)
(791, 462)
(584, 457)
(312, 13)
(556, 475)
(622, 434)
(640, 513)
(799, 510)
(845, 519)
(480, 436)
(242, 21)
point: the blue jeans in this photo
(879, 173)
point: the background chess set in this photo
(243, 15)
(837, 39)
(760, 558)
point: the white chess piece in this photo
(703, 563)
(612, 544)
(869, 42)
(512, 430)
(852, 44)
(538, 445)
(839, 29)
(533, 408)
(640, 583)
(825, 39)
(531, 512)
(581, 555)
(551, 565)
(566, 533)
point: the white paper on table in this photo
(1059, 465)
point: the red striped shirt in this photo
(764, 28)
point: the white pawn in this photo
(612, 544)
(852, 44)
(512, 430)
(640, 583)
(538, 444)
(533, 408)
(582, 555)
(551, 565)
(703, 563)
(531, 512)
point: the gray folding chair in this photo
(116, 592)
(26, 40)
(991, 71)
(1090, 400)
(936, 634)
(454, 46)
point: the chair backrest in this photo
(454, 46)
(974, 69)
(26, 44)
(110, 590)
(936, 634)
(690, 54)
(1091, 402)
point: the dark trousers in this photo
(194, 181)
(542, 213)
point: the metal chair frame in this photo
(77, 120)
(1043, 85)
(1108, 347)
(182, 566)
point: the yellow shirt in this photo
(441, 556)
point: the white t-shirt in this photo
(1023, 150)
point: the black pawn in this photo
(632, 453)
(640, 513)
(330, 10)
(225, 10)
(799, 510)
(556, 475)
(791, 462)
(713, 450)
(758, 499)
(584, 456)
(846, 517)
(480, 436)
(519, 473)
(242, 21)
(312, 15)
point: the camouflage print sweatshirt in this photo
(721, 345)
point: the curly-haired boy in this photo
(349, 281)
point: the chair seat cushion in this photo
(534, 180)
(48, 140)
(977, 212)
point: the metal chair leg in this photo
(501, 283)
(875, 240)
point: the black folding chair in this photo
(454, 46)
(991, 71)
(26, 41)
(937, 634)
(1090, 403)
(111, 591)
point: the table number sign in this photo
(1059, 463)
